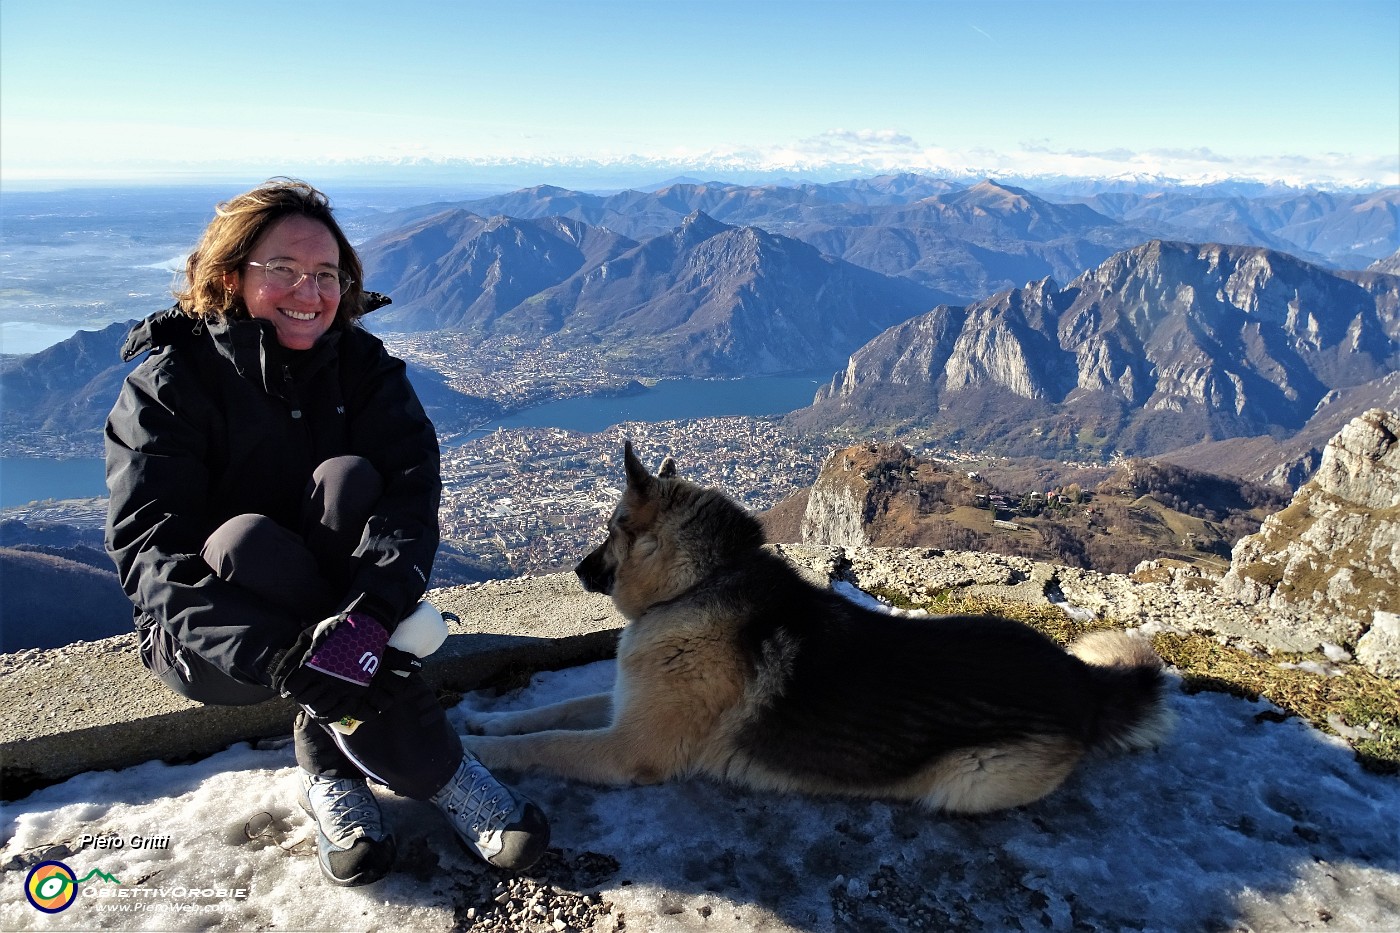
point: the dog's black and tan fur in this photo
(733, 666)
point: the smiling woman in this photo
(274, 488)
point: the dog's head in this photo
(665, 536)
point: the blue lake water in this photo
(673, 400)
(27, 479)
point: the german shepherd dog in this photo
(734, 666)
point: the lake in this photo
(672, 400)
(26, 479)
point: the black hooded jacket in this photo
(220, 420)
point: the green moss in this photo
(1362, 699)
(1263, 573)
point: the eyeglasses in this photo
(281, 275)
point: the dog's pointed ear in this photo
(668, 469)
(637, 476)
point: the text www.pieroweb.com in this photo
(161, 907)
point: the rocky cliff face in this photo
(1322, 573)
(1334, 553)
(1161, 346)
(882, 495)
(839, 503)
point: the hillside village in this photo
(534, 500)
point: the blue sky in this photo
(1289, 89)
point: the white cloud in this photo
(127, 151)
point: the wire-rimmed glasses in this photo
(329, 282)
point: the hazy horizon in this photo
(615, 93)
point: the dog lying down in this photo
(733, 666)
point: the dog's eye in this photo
(645, 545)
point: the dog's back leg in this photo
(996, 777)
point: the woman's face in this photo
(303, 312)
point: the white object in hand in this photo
(420, 634)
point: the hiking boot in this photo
(351, 843)
(503, 828)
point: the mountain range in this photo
(702, 299)
(1161, 346)
(64, 391)
(937, 300)
(1349, 231)
(974, 239)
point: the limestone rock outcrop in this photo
(1333, 555)
(839, 503)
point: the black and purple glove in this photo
(393, 685)
(331, 666)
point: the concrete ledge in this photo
(92, 706)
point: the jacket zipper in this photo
(291, 391)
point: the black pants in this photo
(410, 748)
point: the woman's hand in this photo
(331, 666)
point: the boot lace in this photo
(474, 797)
(344, 808)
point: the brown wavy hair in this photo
(229, 239)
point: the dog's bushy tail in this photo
(1133, 711)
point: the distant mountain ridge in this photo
(456, 270)
(1349, 230)
(971, 239)
(92, 606)
(961, 241)
(705, 298)
(743, 298)
(1161, 346)
(64, 391)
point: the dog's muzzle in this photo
(594, 573)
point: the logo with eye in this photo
(51, 886)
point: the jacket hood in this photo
(160, 329)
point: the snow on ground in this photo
(1241, 821)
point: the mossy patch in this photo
(1362, 699)
(1263, 573)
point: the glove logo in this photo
(369, 662)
